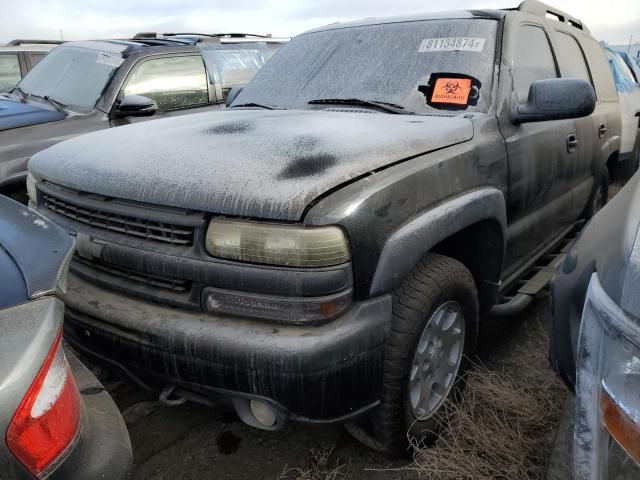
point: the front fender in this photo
(413, 240)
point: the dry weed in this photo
(502, 426)
(318, 467)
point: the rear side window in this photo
(533, 59)
(602, 76)
(570, 57)
(34, 58)
(9, 71)
(172, 82)
(231, 67)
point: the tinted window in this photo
(571, 58)
(172, 82)
(72, 75)
(602, 76)
(388, 63)
(533, 59)
(9, 71)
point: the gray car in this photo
(85, 86)
(56, 420)
(18, 57)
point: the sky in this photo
(613, 21)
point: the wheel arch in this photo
(470, 228)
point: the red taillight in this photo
(47, 420)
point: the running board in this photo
(542, 276)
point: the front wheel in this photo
(600, 196)
(434, 326)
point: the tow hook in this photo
(166, 397)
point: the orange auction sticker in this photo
(451, 90)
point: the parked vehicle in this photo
(92, 85)
(325, 249)
(595, 344)
(18, 57)
(56, 420)
(628, 86)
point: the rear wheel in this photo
(434, 325)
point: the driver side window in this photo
(172, 82)
(533, 59)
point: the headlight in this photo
(31, 189)
(274, 244)
(620, 396)
(608, 384)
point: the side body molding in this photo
(407, 245)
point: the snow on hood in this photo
(263, 164)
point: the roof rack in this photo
(19, 41)
(218, 35)
(543, 10)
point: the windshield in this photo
(391, 63)
(73, 76)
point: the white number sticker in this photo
(106, 59)
(452, 44)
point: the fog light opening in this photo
(263, 413)
(258, 413)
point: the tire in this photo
(437, 292)
(600, 196)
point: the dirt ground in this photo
(193, 442)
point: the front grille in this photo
(123, 224)
(145, 278)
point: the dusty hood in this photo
(263, 164)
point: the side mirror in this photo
(555, 99)
(136, 106)
(231, 96)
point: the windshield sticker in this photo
(452, 44)
(106, 59)
(451, 91)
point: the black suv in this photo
(85, 86)
(325, 249)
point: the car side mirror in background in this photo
(136, 106)
(231, 96)
(555, 99)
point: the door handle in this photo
(572, 142)
(603, 130)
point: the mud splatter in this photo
(227, 442)
(307, 166)
(231, 128)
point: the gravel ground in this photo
(192, 441)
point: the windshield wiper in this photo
(257, 105)
(58, 105)
(386, 106)
(24, 95)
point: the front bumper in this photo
(103, 448)
(325, 373)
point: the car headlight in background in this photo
(620, 396)
(607, 385)
(274, 244)
(31, 189)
